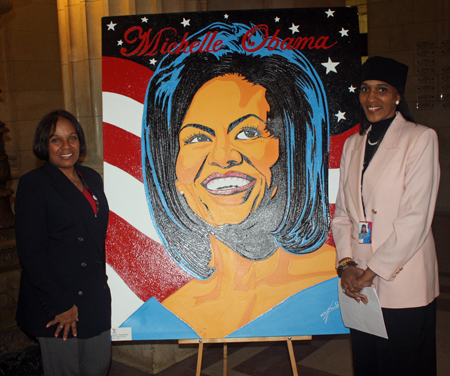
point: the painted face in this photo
(226, 150)
(64, 145)
(378, 100)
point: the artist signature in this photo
(333, 306)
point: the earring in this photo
(182, 193)
(397, 102)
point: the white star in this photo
(119, 42)
(277, 19)
(344, 32)
(226, 16)
(340, 115)
(111, 26)
(331, 67)
(351, 89)
(294, 28)
(185, 22)
(329, 13)
(144, 19)
(152, 61)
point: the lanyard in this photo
(97, 204)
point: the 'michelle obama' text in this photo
(143, 43)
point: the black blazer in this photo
(61, 246)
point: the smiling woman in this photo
(235, 155)
(61, 221)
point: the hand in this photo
(66, 321)
(350, 285)
(366, 279)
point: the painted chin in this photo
(231, 183)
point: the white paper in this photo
(121, 334)
(366, 318)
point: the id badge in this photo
(365, 232)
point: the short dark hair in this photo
(46, 129)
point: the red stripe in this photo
(125, 77)
(141, 262)
(123, 150)
(337, 144)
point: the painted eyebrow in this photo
(201, 127)
(235, 123)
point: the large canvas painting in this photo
(222, 140)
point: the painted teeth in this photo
(226, 183)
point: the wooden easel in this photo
(225, 341)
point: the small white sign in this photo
(121, 334)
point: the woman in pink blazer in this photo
(389, 178)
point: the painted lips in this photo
(228, 184)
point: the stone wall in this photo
(417, 33)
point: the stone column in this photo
(80, 45)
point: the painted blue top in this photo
(312, 311)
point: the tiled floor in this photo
(323, 355)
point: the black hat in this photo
(387, 70)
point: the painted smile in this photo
(228, 184)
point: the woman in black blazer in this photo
(61, 221)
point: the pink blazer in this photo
(399, 189)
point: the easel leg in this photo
(292, 356)
(225, 359)
(199, 359)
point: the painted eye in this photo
(247, 134)
(200, 137)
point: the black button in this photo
(80, 239)
(83, 264)
(80, 293)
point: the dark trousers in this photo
(75, 356)
(410, 349)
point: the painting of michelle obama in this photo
(235, 148)
(222, 139)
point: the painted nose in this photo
(225, 156)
